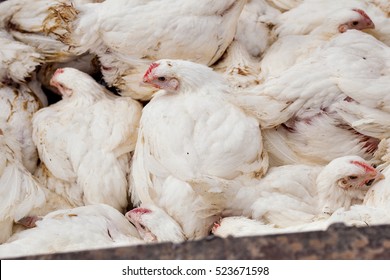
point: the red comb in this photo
(215, 226)
(150, 69)
(141, 211)
(362, 13)
(367, 168)
(59, 71)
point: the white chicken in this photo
(290, 49)
(191, 132)
(87, 227)
(154, 225)
(311, 14)
(360, 71)
(303, 102)
(85, 63)
(126, 43)
(19, 191)
(296, 194)
(85, 141)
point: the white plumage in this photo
(18, 103)
(241, 62)
(19, 191)
(359, 66)
(239, 226)
(85, 63)
(297, 194)
(300, 105)
(191, 131)
(126, 43)
(358, 215)
(299, 90)
(85, 141)
(310, 14)
(292, 48)
(26, 21)
(284, 5)
(154, 225)
(17, 60)
(360, 69)
(379, 195)
(257, 18)
(19, 99)
(87, 227)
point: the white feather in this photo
(88, 227)
(191, 135)
(85, 141)
(126, 43)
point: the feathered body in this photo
(18, 103)
(292, 48)
(284, 5)
(302, 102)
(297, 194)
(20, 193)
(25, 21)
(360, 71)
(191, 132)
(358, 215)
(154, 224)
(17, 60)
(258, 18)
(86, 227)
(19, 99)
(85, 141)
(378, 196)
(240, 64)
(126, 43)
(311, 14)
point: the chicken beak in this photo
(378, 176)
(144, 84)
(370, 24)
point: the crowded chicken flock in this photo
(126, 122)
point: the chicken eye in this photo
(162, 79)
(352, 177)
(354, 23)
(369, 183)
